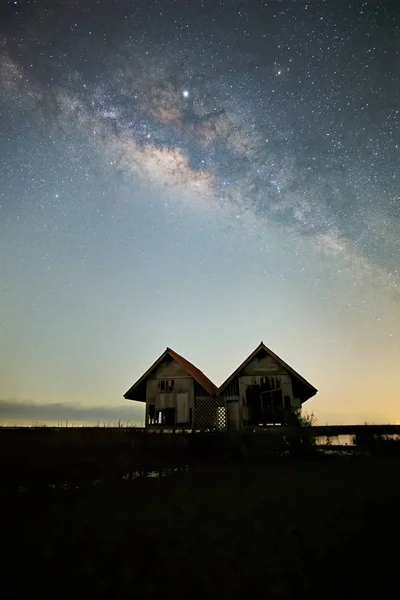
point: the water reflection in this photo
(335, 440)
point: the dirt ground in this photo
(285, 529)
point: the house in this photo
(178, 395)
(263, 390)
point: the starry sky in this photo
(202, 175)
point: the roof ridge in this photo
(201, 378)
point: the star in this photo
(185, 93)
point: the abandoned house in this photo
(262, 391)
(178, 395)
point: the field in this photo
(311, 526)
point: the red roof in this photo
(197, 375)
(208, 385)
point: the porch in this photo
(172, 411)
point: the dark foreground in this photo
(320, 528)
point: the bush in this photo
(377, 444)
(302, 444)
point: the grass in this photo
(37, 457)
(245, 519)
(285, 528)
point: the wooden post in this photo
(193, 423)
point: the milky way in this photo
(277, 118)
(298, 125)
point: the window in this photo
(166, 385)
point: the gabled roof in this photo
(197, 375)
(311, 390)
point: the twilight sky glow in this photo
(202, 175)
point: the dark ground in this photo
(287, 528)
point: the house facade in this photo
(262, 391)
(178, 395)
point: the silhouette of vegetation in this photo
(39, 457)
(298, 444)
(367, 442)
(303, 419)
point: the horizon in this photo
(15, 413)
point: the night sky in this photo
(202, 175)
